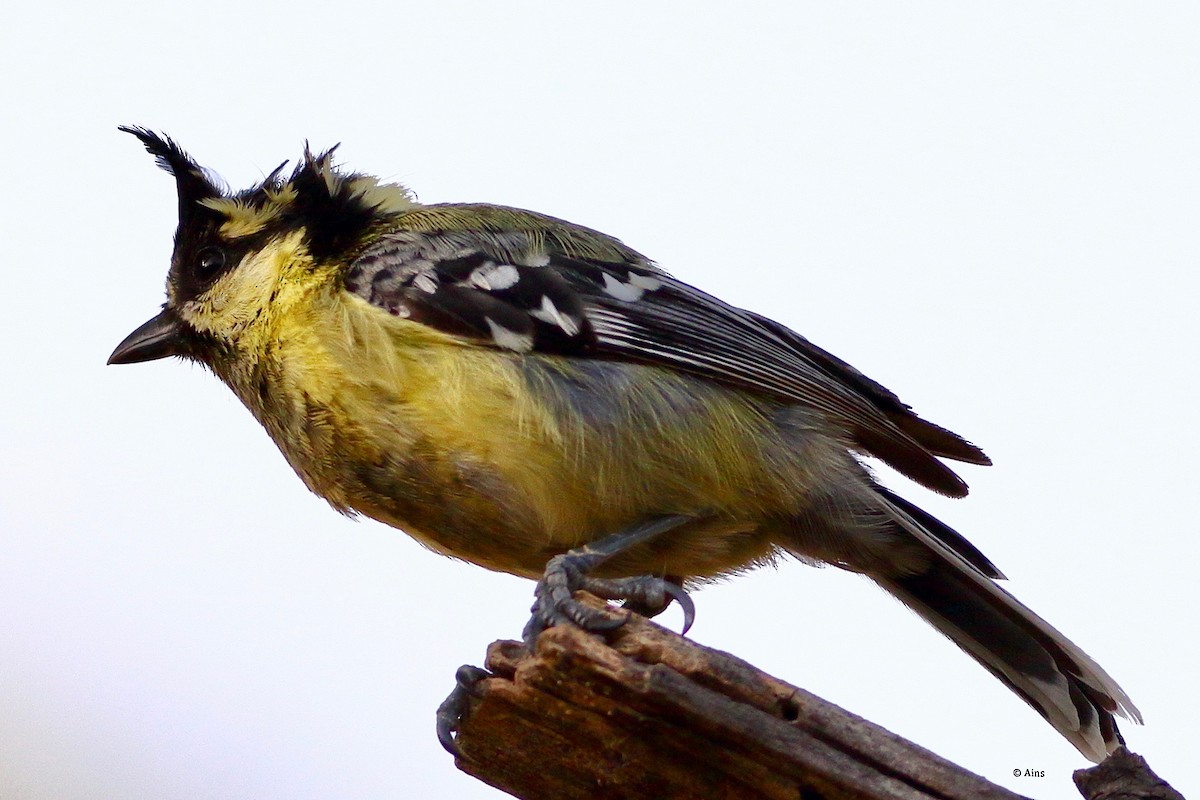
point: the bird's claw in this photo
(677, 593)
(452, 709)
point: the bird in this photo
(538, 398)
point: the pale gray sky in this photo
(990, 208)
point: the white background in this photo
(990, 208)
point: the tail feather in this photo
(944, 534)
(1043, 667)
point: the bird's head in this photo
(239, 255)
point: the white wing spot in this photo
(550, 313)
(622, 291)
(492, 277)
(509, 340)
(537, 260)
(645, 281)
(426, 283)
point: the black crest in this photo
(192, 181)
(333, 207)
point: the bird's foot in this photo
(565, 574)
(454, 707)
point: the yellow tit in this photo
(536, 397)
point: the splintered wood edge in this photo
(1126, 776)
(650, 714)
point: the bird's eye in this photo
(209, 261)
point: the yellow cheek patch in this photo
(257, 287)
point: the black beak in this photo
(158, 338)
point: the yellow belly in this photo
(507, 460)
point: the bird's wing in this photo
(517, 282)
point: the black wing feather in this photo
(935, 438)
(707, 336)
